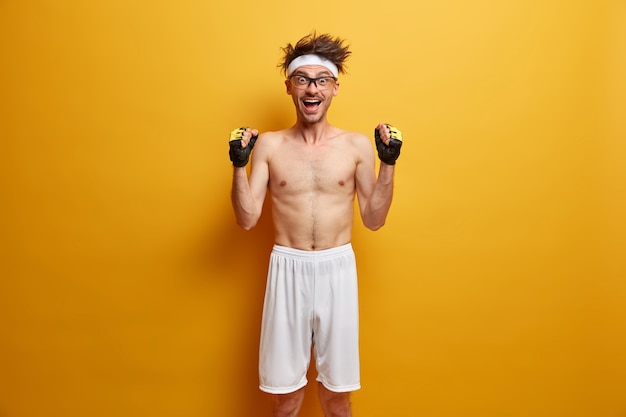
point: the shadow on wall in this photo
(236, 253)
(243, 256)
(235, 261)
(234, 264)
(227, 251)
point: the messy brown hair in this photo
(324, 45)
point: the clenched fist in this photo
(241, 143)
(388, 143)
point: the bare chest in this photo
(300, 170)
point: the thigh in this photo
(285, 348)
(337, 326)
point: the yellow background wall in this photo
(496, 288)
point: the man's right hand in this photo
(241, 143)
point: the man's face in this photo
(312, 88)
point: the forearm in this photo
(247, 210)
(377, 208)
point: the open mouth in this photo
(311, 104)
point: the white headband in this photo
(303, 60)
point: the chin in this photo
(313, 117)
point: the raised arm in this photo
(376, 193)
(248, 193)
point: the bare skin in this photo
(313, 172)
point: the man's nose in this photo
(312, 83)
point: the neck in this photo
(312, 132)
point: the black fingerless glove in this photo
(389, 153)
(238, 155)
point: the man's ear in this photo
(288, 86)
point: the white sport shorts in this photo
(311, 299)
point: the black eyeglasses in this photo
(322, 83)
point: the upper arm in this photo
(365, 176)
(259, 170)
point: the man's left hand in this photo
(388, 143)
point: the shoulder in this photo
(268, 140)
(354, 144)
(271, 137)
(362, 148)
(358, 140)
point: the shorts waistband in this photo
(308, 255)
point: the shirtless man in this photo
(313, 171)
